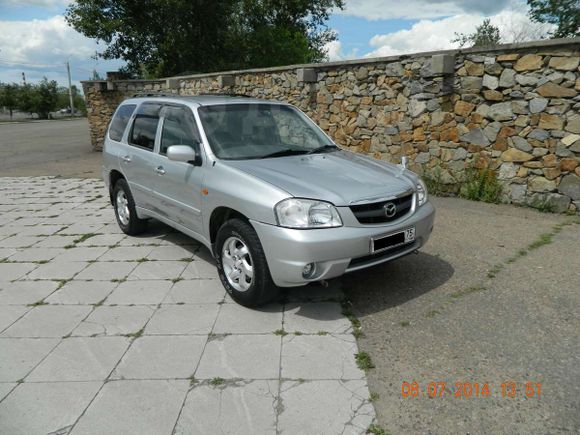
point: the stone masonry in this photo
(513, 109)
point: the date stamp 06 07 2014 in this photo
(466, 390)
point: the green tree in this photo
(565, 14)
(26, 97)
(9, 96)
(168, 37)
(485, 35)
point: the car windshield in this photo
(256, 130)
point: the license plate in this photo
(393, 240)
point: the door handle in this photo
(126, 159)
(160, 170)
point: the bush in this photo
(481, 185)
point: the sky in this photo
(35, 38)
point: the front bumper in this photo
(335, 251)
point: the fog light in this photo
(308, 270)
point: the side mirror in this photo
(181, 153)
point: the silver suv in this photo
(263, 188)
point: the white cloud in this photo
(41, 48)
(38, 3)
(335, 52)
(429, 35)
(421, 9)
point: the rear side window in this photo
(120, 120)
(145, 126)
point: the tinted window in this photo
(179, 129)
(145, 126)
(120, 120)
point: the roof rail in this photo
(222, 94)
(153, 94)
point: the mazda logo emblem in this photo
(390, 209)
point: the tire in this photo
(125, 210)
(232, 261)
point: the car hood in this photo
(340, 177)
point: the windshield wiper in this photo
(284, 152)
(322, 148)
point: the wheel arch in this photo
(221, 215)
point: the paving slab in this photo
(126, 253)
(139, 292)
(119, 320)
(234, 356)
(81, 253)
(81, 359)
(239, 407)
(161, 357)
(26, 292)
(107, 271)
(48, 321)
(82, 292)
(236, 319)
(36, 254)
(200, 269)
(13, 271)
(306, 357)
(5, 388)
(43, 408)
(324, 407)
(134, 407)
(10, 314)
(173, 252)
(316, 317)
(196, 291)
(182, 319)
(60, 270)
(21, 355)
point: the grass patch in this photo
(69, 246)
(375, 429)
(494, 271)
(217, 381)
(355, 322)
(84, 237)
(176, 280)
(543, 239)
(142, 260)
(433, 182)
(119, 280)
(192, 380)
(543, 206)
(481, 185)
(374, 397)
(363, 361)
(137, 334)
(432, 314)
(322, 333)
(297, 333)
(280, 332)
(405, 323)
(37, 303)
(467, 291)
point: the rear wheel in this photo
(125, 210)
(242, 265)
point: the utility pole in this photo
(23, 78)
(70, 95)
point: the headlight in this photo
(421, 193)
(306, 213)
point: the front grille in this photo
(375, 213)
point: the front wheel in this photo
(242, 265)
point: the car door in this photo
(138, 160)
(178, 184)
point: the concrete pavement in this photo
(104, 333)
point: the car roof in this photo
(199, 100)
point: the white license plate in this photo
(393, 240)
(409, 235)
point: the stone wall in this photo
(513, 109)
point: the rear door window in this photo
(145, 126)
(120, 120)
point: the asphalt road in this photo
(447, 315)
(48, 148)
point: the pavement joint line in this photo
(107, 379)
(191, 387)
